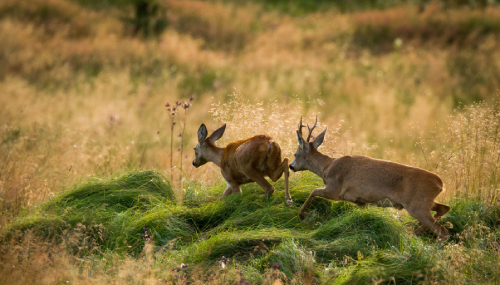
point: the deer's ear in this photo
(300, 139)
(202, 133)
(319, 139)
(217, 134)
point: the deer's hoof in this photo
(419, 231)
(289, 201)
(269, 192)
(302, 216)
(443, 238)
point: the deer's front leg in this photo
(232, 188)
(288, 198)
(326, 193)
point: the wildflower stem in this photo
(182, 141)
(171, 146)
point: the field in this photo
(96, 181)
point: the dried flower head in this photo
(146, 236)
(223, 260)
(276, 266)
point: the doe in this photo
(243, 161)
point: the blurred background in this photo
(84, 86)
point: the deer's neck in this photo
(320, 163)
(215, 155)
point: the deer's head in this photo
(205, 146)
(303, 155)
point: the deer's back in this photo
(252, 151)
(381, 178)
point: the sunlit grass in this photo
(81, 97)
(338, 241)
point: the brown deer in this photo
(363, 180)
(243, 161)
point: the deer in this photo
(363, 180)
(243, 161)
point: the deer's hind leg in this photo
(428, 221)
(276, 174)
(259, 178)
(440, 209)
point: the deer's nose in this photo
(291, 167)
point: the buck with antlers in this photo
(243, 161)
(363, 180)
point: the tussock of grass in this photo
(117, 203)
(275, 217)
(368, 221)
(359, 230)
(291, 254)
(46, 226)
(385, 266)
(235, 244)
(163, 225)
(134, 189)
(213, 214)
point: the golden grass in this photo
(81, 97)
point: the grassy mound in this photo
(235, 244)
(253, 209)
(290, 256)
(407, 267)
(118, 204)
(359, 231)
(263, 238)
(135, 189)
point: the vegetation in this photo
(96, 184)
(121, 219)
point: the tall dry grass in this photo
(471, 153)
(28, 260)
(81, 97)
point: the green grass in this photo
(337, 243)
(116, 203)
(401, 267)
(359, 231)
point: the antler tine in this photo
(301, 125)
(311, 129)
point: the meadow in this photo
(96, 181)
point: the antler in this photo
(311, 129)
(301, 125)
